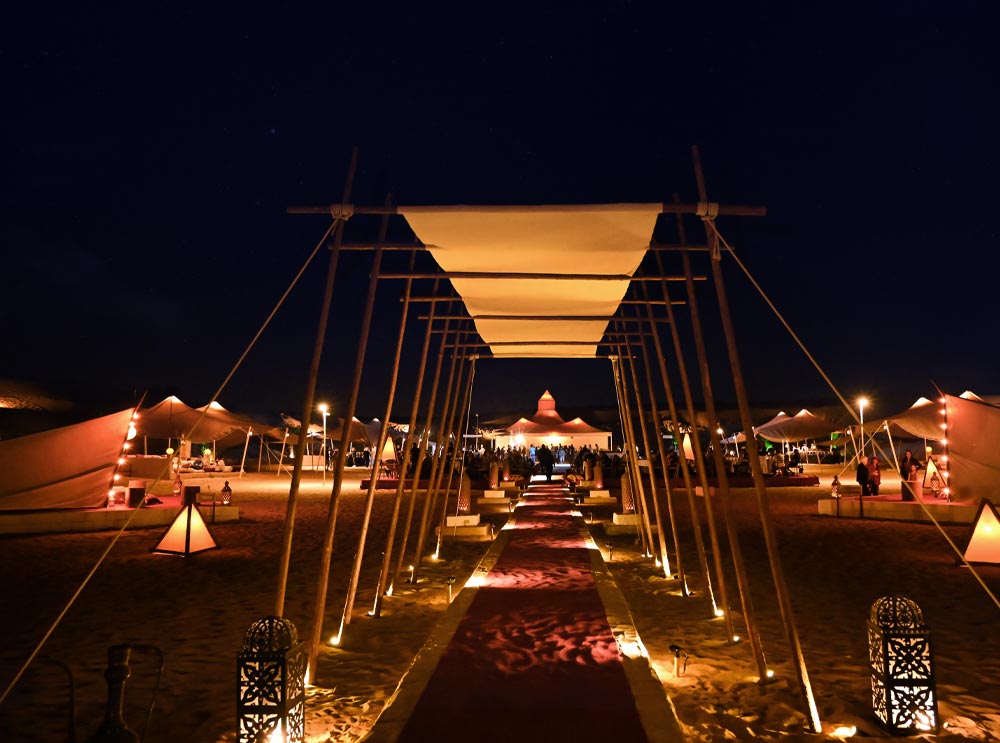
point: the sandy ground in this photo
(196, 610)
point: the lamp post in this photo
(862, 402)
(325, 410)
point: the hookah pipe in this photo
(114, 729)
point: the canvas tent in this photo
(974, 429)
(69, 467)
(800, 427)
(171, 418)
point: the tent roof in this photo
(607, 241)
(172, 418)
(803, 425)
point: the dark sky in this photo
(150, 154)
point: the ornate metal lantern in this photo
(899, 650)
(270, 669)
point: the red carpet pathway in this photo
(534, 658)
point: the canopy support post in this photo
(377, 455)
(742, 580)
(404, 463)
(635, 476)
(458, 429)
(323, 579)
(441, 451)
(675, 421)
(770, 538)
(661, 451)
(660, 540)
(310, 392)
(422, 454)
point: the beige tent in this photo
(70, 467)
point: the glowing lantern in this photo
(984, 541)
(271, 688)
(899, 650)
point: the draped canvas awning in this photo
(606, 241)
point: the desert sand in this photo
(197, 609)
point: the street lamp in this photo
(325, 410)
(862, 402)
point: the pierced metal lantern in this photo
(899, 650)
(270, 671)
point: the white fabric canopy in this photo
(602, 240)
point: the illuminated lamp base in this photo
(187, 534)
(984, 541)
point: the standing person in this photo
(862, 477)
(908, 463)
(874, 476)
(546, 460)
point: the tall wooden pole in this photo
(440, 452)
(383, 578)
(742, 580)
(770, 538)
(309, 397)
(459, 431)
(323, 579)
(683, 463)
(661, 539)
(421, 455)
(626, 442)
(377, 456)
(441, 460)
(635, 475)
(667, 486)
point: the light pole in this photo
(325, 410)
(862, 402)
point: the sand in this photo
(196, 611)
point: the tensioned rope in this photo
(961, 556)
(128, 522)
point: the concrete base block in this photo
(477, 533)
(623, 519)
(469, 520)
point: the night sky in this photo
(150, 155)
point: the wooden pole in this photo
(440, 452)
(459, 438)
(309, 396)
(421, 456)
(686, 470)
(352, 588)
(246, 446)
(661, 539)
(742, 580)
(770, 538)
(323, 578)
(626, 446)
(667, 486)
(404, 462)
(645, 533)
(281, 462)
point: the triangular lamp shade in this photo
(984, 543)
(187, 534)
